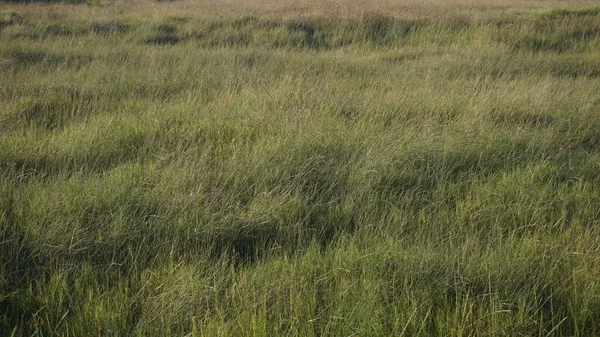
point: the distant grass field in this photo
(300, 168)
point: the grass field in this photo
(300, 168)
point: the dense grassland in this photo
(300, 169)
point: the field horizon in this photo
(300, 168)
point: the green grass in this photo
(376, 175)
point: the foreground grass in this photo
(170, 174)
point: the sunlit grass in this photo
(175, 169)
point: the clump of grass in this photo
(8, 18)
(110, 28)
(164, 34)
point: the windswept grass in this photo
(389, 169)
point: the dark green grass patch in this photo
(22, 58)
(110, 28)
(162, 39)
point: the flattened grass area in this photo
(166, 171)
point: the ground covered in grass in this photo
(171, 171)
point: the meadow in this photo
(300, 168)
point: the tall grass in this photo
(386, 169)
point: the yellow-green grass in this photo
(300, 169)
